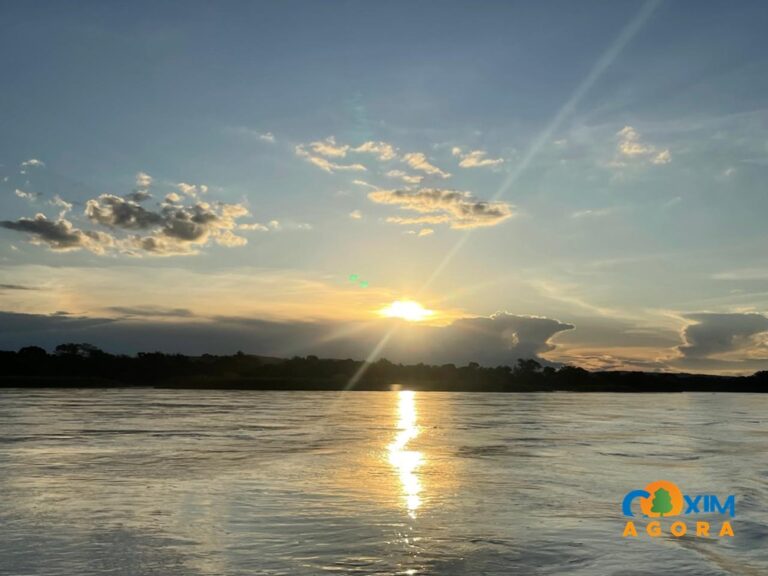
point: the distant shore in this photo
(86, 366)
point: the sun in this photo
(406, 310)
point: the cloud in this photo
(356, 215)
(405, 177)
(253, 226)
(150, 311)
(192, 190)
(251, 133)
(174, 228)
(65, 207)
(325, 164)
(364, 184)
(31, 196)
(589, 213)
(16, 287)
(458, 209)
(33, 162)
(139, 195)
(720, 335)
(60, 235)
(118, 212)
(421, 233)
(499, 339)
(382, 150)
(329, 148)
(143, 180)
(630, 146)
(418, 161)
(475, 158)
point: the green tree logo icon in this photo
(662, 502)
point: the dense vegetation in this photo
(86, 365)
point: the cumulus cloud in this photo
(60, 234)
(181, 225)
(498, 339)
(118, 212)
(630, 146)
(267, 137)
(716, 335)
(192, 190)
(405, 177)
(356, 215)
(143, 184)
(418, 161)
(143, 180)
(458, 209)
(327, 149)
(139, 195)
(475, 158)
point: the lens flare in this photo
(406, 310)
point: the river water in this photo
(170, 482)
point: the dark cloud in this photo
(150, 311)
(22, 329)
(500, 339)
(712, 334)
(139, 195)
(173, 229)
(458, 209)
(16, 287)
(117, 212)
(59, 234)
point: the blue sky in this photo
(596, 164)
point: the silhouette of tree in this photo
(33, 353)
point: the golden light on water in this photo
(406, 310)
(405, 461)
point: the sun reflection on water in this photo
(407, 462)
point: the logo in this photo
(663, 499)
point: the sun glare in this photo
(406, 310)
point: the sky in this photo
(579, 182)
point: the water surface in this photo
(140, 481)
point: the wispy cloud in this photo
(630, 146)
(33, 162)
(405, 177)
(31, 196)
(328, 149)
(382, 150)
(592, 213)
(418, 161)
(475, 158)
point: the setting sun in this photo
(406, 310)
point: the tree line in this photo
(83, 364)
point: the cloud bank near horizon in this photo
(499, 339)
(718, 343)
